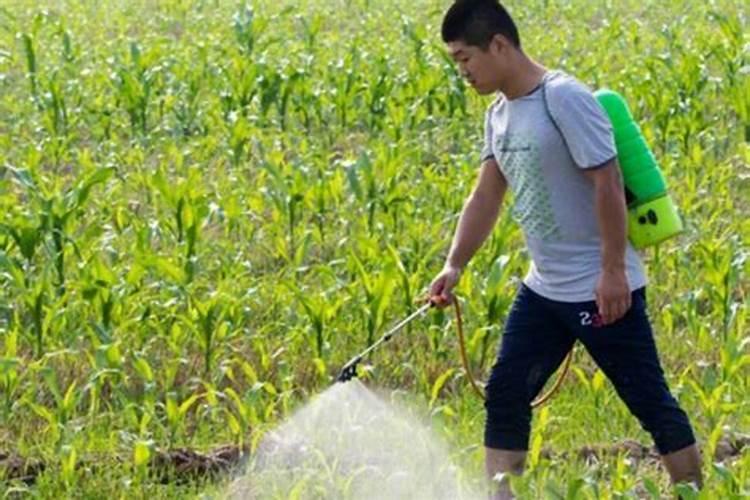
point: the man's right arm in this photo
(478, 216)
(477, 219)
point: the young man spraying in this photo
(586, 282)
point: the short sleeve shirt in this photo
(553, 201)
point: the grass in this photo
(207, 207)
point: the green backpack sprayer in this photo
(652, 215)
(652, 219)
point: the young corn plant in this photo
(377, 289)
(319, 314)
(188, 204)
(10, 371)
(136, 83)
(55, 209)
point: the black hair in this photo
(475, 22)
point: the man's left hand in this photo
(612, 295)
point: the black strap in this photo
(629, 196)
(546, 77)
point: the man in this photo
(586, 282)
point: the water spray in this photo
(313, 448)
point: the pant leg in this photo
(625, 351)
(533, 346)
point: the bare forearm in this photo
(612, 289)
(477, 219)
(612, 219)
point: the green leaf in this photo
(234, 424)
(250, 373)
(114, 356)
(27, 239)
(497, 271)
(270, 389)
(320, 366)
(189, 402)
(652, 488)
(8, 366)
(574, 487)
(84, 188)
(438, 385)
(69, 463)
(553, 491)
(353, 178)
(143, 369)
(686, 491)
(23, 176)
(70, 398)
(597, 381)
(142, 452)
(173, 413)
(166, 268)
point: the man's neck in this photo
(527, 78)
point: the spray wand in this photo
(349, 371)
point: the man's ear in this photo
(499, 43)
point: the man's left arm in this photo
(612, 289)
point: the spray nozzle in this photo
(349, 371)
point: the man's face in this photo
(483, 69)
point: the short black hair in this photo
(475, 22)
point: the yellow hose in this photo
(465, 360)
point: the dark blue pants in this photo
(539, 333)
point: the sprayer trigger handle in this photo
(437, 300)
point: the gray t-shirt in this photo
(553, 199)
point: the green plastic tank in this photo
(652, 215)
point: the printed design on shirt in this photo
(520, 161)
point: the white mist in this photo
(349, 443)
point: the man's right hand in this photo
(441, 289)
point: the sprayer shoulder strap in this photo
(629, 196)
(546, 100)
